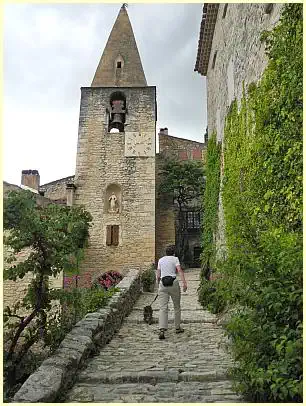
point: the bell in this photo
(117, 115)
(117, 122)
(117, 119)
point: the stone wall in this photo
(56, 190)
(239, 56)
(57, 373)
(179, 148)
(103, 162)
(237, 59)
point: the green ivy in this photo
(211, 196)
(262, 199)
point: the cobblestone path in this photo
(138, 367)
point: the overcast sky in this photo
(51, 50)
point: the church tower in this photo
(115, 165)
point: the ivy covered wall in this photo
(262, 199)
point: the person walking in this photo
(168, 285)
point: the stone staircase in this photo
(138, 367)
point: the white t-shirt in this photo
(167, 265)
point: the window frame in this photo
(112, 235)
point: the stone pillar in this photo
(70, 188)
(30, 178)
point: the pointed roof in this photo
(120, 64)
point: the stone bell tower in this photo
(115, 165)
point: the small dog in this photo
(148, 314)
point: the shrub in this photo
(108, 280)
(148, 278)
(52, 235)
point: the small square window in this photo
(119, 65)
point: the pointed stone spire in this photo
(120, 64)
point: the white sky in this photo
(51, 50)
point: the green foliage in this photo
(209, 296)
(54, 234)
(211, 197)
(262, 198)
(74, 304)
(148, 277)
(185, 182)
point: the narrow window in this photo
(112, 235)
(119, 65)
(224, 10)
(115, 235)
(214, 59)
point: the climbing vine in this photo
(262, 198)
(211, 196)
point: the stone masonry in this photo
(119, 164)
(239, 56)
(137, 367)
(231, 56)
(101, 162)
(121, 48)
(56, 190)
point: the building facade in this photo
(117, 169)
(231, 56)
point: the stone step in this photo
(137, 367)
(137, 317)
(161, 392)
(152, 377)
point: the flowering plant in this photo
(108, 280)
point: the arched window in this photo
(117, 111)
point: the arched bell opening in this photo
(117, 111)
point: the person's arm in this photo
(182, 275)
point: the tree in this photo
(185, 182)
(54, 234)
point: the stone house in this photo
(231, 56)
(117, 168)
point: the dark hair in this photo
(170, 250)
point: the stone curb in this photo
(57, 373)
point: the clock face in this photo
(139, 144)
